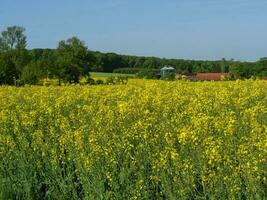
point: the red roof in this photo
(211, 76)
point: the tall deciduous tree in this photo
(240, 70)
(74, 60)
(13, 38)
(13, 42)
(8, 72)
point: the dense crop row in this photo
(144, 140)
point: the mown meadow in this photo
(143, 140)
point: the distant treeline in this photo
(72, 59)
(112, 62)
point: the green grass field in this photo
(95, 75)
(103, 75)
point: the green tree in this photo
(223, 65)
(8, 72)
(46, 59)
(147, 74)
(13, 41)
(31, 73)
(152, 63)
(13, 38)
(260, 68)
(111, 61)
(73, 60)
(240, 70)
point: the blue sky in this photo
(189, 29)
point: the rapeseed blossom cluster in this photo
(143, 140)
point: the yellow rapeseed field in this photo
(143, 140)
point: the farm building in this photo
(185, 75)
(211, 76)
(167, 71)
(204, 76)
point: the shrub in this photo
(31, 74)
(147, 74)
(110, 80)
(99, 82)
(90, 81)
